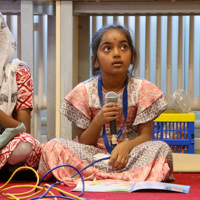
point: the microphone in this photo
(112, 97)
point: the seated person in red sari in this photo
(17, 146)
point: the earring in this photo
(97, 66)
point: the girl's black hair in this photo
(96, 39)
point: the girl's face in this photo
(114, 53)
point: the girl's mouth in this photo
(117, 63)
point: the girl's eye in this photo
(107, 48)
(124, 47)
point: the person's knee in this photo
(20, 154)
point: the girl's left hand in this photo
(119, 156)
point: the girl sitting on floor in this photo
(136, 157)
(17, 146)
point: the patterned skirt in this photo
(34, 157)
(150, 161)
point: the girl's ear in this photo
(132, 60)
(96, 63)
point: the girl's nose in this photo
(116, 52)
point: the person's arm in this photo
(25, 91)
(120, 154)
(21, 111)
(145, 134)
(7, 121)
(90, 136)
(22, 116)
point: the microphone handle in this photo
(113, 131)
(114, 141)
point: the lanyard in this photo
(125, 108)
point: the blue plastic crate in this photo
(177, 130)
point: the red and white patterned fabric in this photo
(151, 160)
(16, 92)
(24, 100)
(34, 157)
(145, 103)
(24, 88)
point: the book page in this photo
(118, 186)
(104, 186)
(160, 186)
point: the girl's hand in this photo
(90, 135)
(108, 113)
(119, 156)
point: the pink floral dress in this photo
(24, 100)
(150, 161)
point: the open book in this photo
(105, 186)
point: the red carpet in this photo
(190, 179)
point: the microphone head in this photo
(111, 97)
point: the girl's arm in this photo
(90, 136)
(145, 134)
(7, 121)
(24, 115)
(120, 154)
(21, 116)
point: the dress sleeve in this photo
(150, 103)
(76, 107)
(24, 88)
